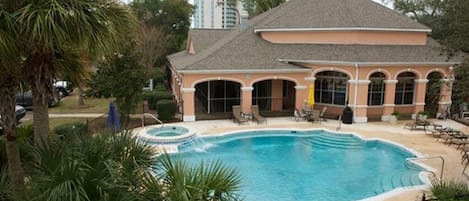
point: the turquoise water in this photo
(307, 166)
(167, 131)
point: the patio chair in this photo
(315, 115)
(321, 116)
(256, 116)
(237, 115)
(298, 115)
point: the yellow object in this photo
(311, 95)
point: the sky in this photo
(192, 2)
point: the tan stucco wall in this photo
(303, 80)
(247, 80)
(347, 37)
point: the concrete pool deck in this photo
(416, 140)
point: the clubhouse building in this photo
(354, 52)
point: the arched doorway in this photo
(214, 99)
(432, 94)
(274, 96)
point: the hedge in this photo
(166, 109)
(152, 97)
(72, 128)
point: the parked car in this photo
(25, 99)
(63, 88)
(20, 112)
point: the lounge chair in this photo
(436, 130)
(417, 123)
(237, 115)
(299, 115)
(256, 116)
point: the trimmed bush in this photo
(72, 128)
(166, 109)
(152, 97)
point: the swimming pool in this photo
(296, 165)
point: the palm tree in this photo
(50, 29)
(100, 167)
(207, 181)
(119, 167)
(9, 81)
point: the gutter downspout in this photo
(356, 92)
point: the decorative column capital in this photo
(421, 80)
(445, 102)
(390, 81)
(310, 79)
(359, 81)
(300, 87)
(187, 90)
(247, 88)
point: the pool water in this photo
(308, 165)
(167, 131)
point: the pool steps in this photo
(393, 181)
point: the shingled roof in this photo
(204, 38)
(337, 14)
(245, 50)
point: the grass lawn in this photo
(54, 122)
(69, 104)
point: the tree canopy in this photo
(256, 7)
(448, 19)
(171, 16)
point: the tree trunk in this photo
(40, 74)
(40, 116)
(8, 89)
(81, 98)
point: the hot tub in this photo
(167, 134)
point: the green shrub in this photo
(396, 113)
(25, 132)
(152, 97)
(449, 190)
(72, 128)
(422, 113)
(166, 109)
(159, 87)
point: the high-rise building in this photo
(217, 14)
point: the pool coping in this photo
(424, 176)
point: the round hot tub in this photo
(167, 134)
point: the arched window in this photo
(331, 88)
(376, 89)
(405, 89)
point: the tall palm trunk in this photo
(8, 89)
(40, 116)
(81, 96)
(40, 75)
